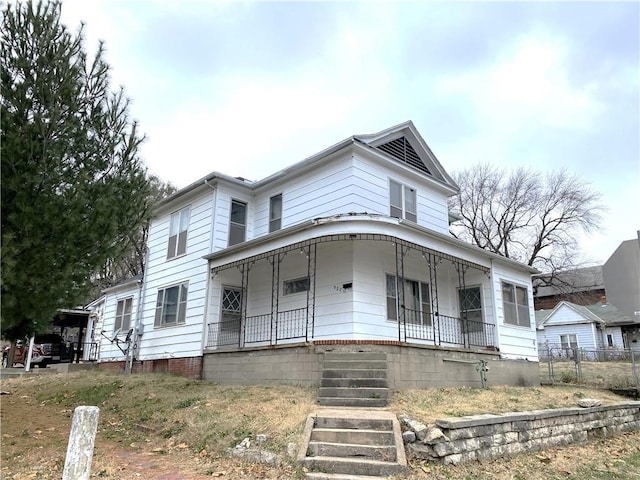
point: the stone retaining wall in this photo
(478, 437)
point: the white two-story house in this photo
(251, 282)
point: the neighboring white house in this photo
(600, 326)
(250, 282)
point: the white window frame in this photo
(237, 227)
(178, 231)
(393, 300)
(296, 285)
(122, 321)
(405, 207)
(569, 341)
(162, 310)
(275, 213)
(513, 308)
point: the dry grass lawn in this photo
(162, 427)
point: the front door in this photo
(470, 302)
(231, 317)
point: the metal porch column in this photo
(311, 293)
(433, 262)
(275, 261)
(402, 318)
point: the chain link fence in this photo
(601, 368)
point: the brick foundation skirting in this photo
(190, 367)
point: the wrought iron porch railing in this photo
(446, 330)
(257, 329)
(440, 330)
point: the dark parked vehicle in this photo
(47, 348)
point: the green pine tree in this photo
(73, 186)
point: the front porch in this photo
(351, 287)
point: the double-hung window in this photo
(417, 303)
(402, 201)
(171, 305)
(515, 300)
(569, 341)
(237, 222)
(123, 315)
(178, 229)
(275, 213)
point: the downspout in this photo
(495, 306)
(134, 343)
(205, 319)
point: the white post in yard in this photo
(77, 465)
(27, 356)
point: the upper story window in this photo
(275, 213)
(402, 201)
(123, 315)
(178, 233)
(171, 305)
(515, 300)
(237, 222)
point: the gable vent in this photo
(401, 149)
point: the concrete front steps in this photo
(357, 379)
(352, 444)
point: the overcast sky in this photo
(248, 88)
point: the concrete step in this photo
(352, 402)
(354, 423)
(386, 453)
(354, 382)
(351, 466)
(356, 363)
(353, 392)
(347, 435)
(354, 373)
(337, 476)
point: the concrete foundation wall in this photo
(408, 366)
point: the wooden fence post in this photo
(77, 465)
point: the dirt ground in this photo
(34, 443)
(34, 438)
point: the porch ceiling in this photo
(351, 237)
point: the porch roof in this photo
(369, 219)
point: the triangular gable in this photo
(567, 313)
(401, 150)
(404, 144)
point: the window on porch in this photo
(416, 297)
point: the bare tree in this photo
(525, 215)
